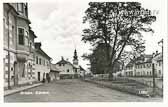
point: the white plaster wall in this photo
(65, 68)
(41, 68)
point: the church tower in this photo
(75, 58)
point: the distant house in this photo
(82, 71)
(68, 69)
(142, 66)
(54, 73)
(42, 63)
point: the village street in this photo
(74, 90)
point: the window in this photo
(150, 73)
(30, 47)
(67, 70)
(23, 71)
(13, 34)
(149, 65)
(21, 36)
(36, 59)
(159, 72)
(144, 65)
(26, 13)
(44, 62)
(159, 63)
(26, 38)
(20, 7)
(11, 68)
(47, 63)
(40, 61)
(59, 64)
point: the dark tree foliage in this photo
(98, 60)
(117, 24)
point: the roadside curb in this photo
(9, 92)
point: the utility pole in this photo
(153, 72)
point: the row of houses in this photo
(24, 60)
(143, 66)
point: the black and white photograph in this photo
(84, 51)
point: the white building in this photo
(68, 69)
(142, 66)
(42, 63)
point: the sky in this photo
(58, 26)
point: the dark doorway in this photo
(38, 76)
(15, 74)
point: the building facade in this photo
(142, 66)
(42, 63)
(17, 58)
(54, 73)
(68, 69)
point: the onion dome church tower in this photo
(75, 58)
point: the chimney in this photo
(153, 55)
(156, 52)
(62, 58)
(37, 45)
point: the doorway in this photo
(38, 76)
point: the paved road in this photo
(73, 91)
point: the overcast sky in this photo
(58, 25)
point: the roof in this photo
(145, 58)
(130, 63)
(82, 68)
(159, 57)
(54, 68)
(11, 7)
(62, 61)
(33, 34)
(39, 50)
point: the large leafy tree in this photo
(118, 24)
(97, 59)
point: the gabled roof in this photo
(145, 58)
(62, 61)
(39, 50)
(82, 68)
(13, 9)
(159, 57)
